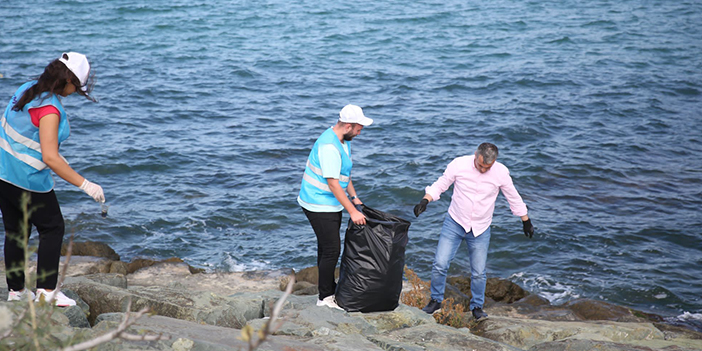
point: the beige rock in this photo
(90, 248)
(525, 333)
(587, 309)
(176, 275)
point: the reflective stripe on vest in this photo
(317, 171)
(20, 139)
(316, 183)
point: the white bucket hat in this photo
(79, 65)
(354, 114)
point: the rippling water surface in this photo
(208, 110)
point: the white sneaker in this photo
(60, 300)
(19, 295)
(329, 301)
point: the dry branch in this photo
(120, 332)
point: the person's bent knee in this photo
(482, 275)
(441, 267)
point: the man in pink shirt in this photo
(477, 180)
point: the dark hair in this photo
(488, 151)
(53, 80)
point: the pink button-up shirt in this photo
(474, 193)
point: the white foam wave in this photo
(233, 265)
(546, 287)
(686, 316)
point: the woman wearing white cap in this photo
(32, 127)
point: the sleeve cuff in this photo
(434, 194)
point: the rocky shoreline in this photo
(206, 311)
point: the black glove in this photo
(528, 228)
(421, 207)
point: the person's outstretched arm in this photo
(48, 137)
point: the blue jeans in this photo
(452, 234)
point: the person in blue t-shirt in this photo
(325, 183)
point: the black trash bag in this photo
(370, 276)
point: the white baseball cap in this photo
(79, 65)
(354, 114)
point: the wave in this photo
(688, 320)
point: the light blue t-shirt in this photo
(330, 162)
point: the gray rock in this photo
(589, 345)
(532, 307)
(119, 267)
(217, 283)
(288, 327)
(322, 321)
(204, 307)
(116, 317)
(161, 269)
(111, 279)
(305, 288)
(76, 315)
(436, 337)
(675, 332)
(139, 263)
(587, 309)
(268, 299)
(348, 343)
(525, 333)
(6, 318)
(333, 328)
(402, 317)
(192, 336)
(202, 312)
(304, 318)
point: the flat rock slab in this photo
(525, 333)
(197, 306)
(436, 337)
(589, 345)
(186, 336)
(178, 276)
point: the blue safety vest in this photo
(314, 188)
(21, 163)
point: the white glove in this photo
(94, 190)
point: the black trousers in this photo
(46, 216)
(326, 226)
